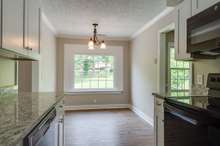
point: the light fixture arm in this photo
(95, 33)
(94, 40)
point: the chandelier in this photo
(94, 42)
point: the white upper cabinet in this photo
(32, 25)
(200, 5)
(183, 12)
(20, 29)
(12, 24)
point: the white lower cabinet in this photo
(60, 114)
(159, 122)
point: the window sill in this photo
(115, 92)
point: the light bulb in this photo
(91, 44)
(103, 45)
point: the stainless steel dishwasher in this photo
(45, 133)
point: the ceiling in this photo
(116, 18)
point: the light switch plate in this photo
(200, 79)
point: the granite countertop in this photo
(20, 112)
(201, 103)
(194, 101)
(168, 95)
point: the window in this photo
(178, 75)
(93, 72)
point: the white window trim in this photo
(70, 50)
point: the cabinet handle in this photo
(158, 103)
(61, 121)
(178, 47)
(1, 26)
(197, 4)
(216, 7)
(28, 48)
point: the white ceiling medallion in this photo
(94, 42)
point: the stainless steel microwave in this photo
(203, 33)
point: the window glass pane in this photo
(174, 75)
(85, 83)
(187, 74)
(93, 72)
(179, 75)
(187, 84)
(94, 84)
(186, 65)
(172, 53)
(181, 84)
(174, 84)
(180, 64)
(102, 84)
(110, 84)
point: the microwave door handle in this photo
(176, 112)
(185, 118)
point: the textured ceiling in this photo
(117, 18)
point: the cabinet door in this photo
(13, 24)
(184, 12)
(1, 24)
(33, 25)
(61, 133)
(159, 131)
(200, 5)
(159, 122)
(60, 115)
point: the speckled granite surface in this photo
(19, 113)
(167, 95)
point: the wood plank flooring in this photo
(106, 128)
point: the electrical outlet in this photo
(155, 60)
(200, 79)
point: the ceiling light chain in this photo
(94, 41)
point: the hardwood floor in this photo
(106, 128)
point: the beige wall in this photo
(85, 99)
(7, 72)
(47, 63)
(203, 67)
(144, 49)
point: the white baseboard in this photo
(142, 115)
(94, 107)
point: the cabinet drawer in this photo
(159, 108)
(60, 109)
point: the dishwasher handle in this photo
(184, 115)
(40, 130)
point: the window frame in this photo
(94, 89)
(70, 50)
(169, 69)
